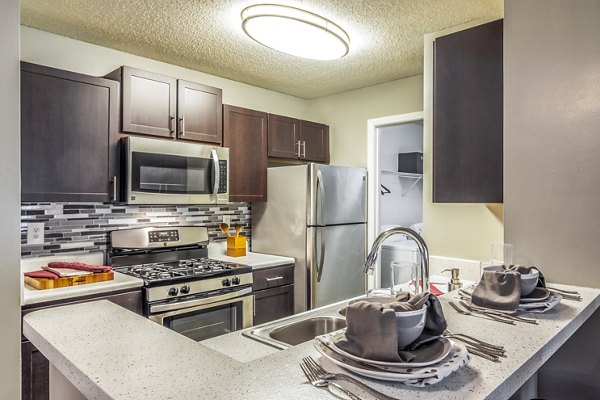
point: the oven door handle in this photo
(217, 174)
(198, 302)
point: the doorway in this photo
(395, 192)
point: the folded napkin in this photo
(42, 274)
(79, 266)
(371, 327)
(498, 290)
(501, 290)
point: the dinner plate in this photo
(371, 371)
(539, 294)
(542, 306)
(429, 353)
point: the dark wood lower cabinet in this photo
(34, 376)
(35, 367)
(272, 304)
(273, 293)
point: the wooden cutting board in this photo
(43, 283)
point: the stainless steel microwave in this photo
(167, 172)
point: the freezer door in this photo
(336, 265)
(338, 195)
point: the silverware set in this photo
(479, 347)
(319, 377)
(487, 311)
(480, 314)
(566, 294)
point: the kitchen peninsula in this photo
(107, 352)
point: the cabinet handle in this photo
(182, 126)
(273, 279)
(303, 149)
(171, 129)
(298, 152)
(115, 187)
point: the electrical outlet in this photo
(227, 219)
(35, 233)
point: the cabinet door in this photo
(245, 133)
(35, 381)
(272, 304)
(315, 141)
(148, 103)
(69, 126)
(468, 116)
(284, 137)
(199, 112)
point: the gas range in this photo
(174, 264)
(166, 273)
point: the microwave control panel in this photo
(171, 235)
(222, 176)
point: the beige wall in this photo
(347, 114)
(552, 164)
(552, 139)
(73, 55)
(10, 314)
(453, 230)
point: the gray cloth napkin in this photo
(522, 269)
(499, 290)
(371, 331)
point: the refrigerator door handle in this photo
(321, 261)
(321, 198)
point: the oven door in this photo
(166, 172)
(204, 321)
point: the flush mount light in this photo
(295, 31)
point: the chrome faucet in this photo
(422, 284)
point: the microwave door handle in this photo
(216, 173)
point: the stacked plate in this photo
(433, 361)
(539, 301)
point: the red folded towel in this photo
(42, 274)
(80, 266)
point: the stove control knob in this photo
(226, 282)
(184, 289)
(235, 280)
(173, 291)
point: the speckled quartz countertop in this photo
(108, 352)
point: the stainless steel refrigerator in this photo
(316, 214)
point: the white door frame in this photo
(373, 165)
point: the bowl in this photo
(410, 325)
(528, 281)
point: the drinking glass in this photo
(404, 277)
(502, 254)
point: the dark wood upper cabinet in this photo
(299, 140)
(468, 116)
(315, 141)
(245, 133)
(284, 136)
(158, 105)
(200, 111)
(69, 129)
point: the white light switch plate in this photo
(35, 233)
(227, 219)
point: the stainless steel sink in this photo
(299, 328)
(302, 331)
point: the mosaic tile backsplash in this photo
(75, 228)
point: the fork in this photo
(326, 375)
(474, 342)
(484, 311)
(488, 317)
(333, 387)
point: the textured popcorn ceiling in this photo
(205, 35)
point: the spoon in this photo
(237, 229)
(225, 228)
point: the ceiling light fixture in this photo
(295, 31)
